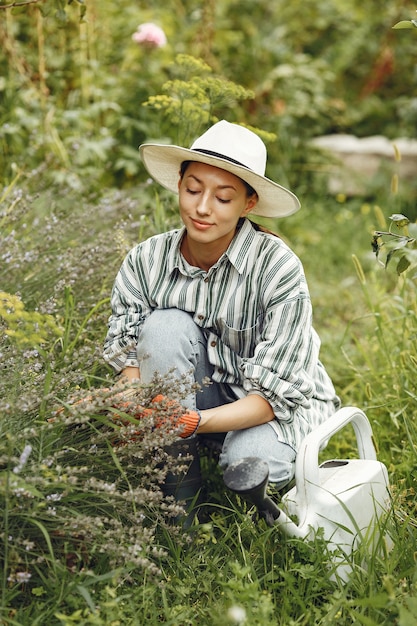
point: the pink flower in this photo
(150, 35)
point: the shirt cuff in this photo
(131, 359)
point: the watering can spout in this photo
(289, 527)
(248, 477)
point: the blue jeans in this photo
(171, 341)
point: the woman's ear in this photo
(251, 203)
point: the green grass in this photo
(86, 537)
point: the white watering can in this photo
(347, 499)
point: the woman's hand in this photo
(163, 411)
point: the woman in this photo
(220, 298)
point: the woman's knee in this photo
(171, 343)
(262, 442)
(167, 326)
(167, 332)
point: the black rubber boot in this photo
(185, 486)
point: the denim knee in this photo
(164, 330)
(170, 342)
(169, 339)
(262, 442)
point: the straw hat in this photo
(232, 148)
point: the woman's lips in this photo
(201, 225)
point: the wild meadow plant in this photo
(391, 364)
(80, 499)
(74, 504)
(195, 97)
(79, 486)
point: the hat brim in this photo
(163, 163)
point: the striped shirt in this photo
(254, 308)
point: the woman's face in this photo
(211, 202)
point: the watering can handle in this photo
(306, 467)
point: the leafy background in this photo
(86, 532)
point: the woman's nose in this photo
(203, 206)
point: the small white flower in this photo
(54, 497)
(22, 577)
(23, 459)
(237, 614)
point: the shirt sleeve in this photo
(284, 365)
(129, 311)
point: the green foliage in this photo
(405, 24)
(73, 83)
(402, 243)
(84, 532)
(194, 98)
(64, 525)
(27, 329)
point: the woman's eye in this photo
(194, 192)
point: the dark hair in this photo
(250, 191)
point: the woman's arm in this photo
(252, 410)
(129, 308)
(128, 375)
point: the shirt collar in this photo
(175, 258)
(237, 252)
(240, 246)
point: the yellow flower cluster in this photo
(194, 96)
(26, 328)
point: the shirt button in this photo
(201, 317)
(206, 279)
(220, 370)
(213, 344)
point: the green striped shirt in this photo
(254, 308)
